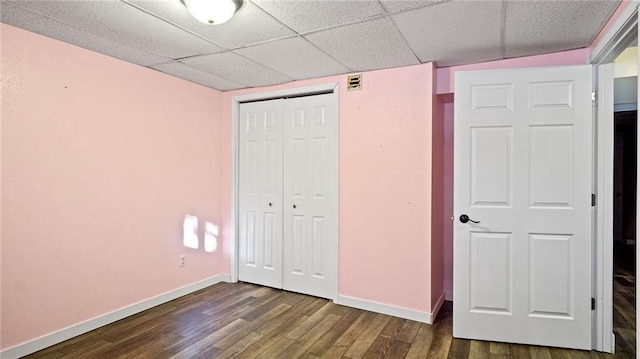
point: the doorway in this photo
(624, 188)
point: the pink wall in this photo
(437, 201)
(385, 185)
(101, 160)
(447, 191)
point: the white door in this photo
(310, 194)
(523, 169)
(260, 193)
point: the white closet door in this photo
(310, 195)
(260, 191)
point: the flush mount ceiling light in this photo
(212, 12)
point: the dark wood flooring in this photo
(248, 321)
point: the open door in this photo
(522, 201)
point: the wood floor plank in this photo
(394, 327)
(279, 347)
(518, 351)
(210, 339)
(379, 348)
(499, 351)
(245, 330)
(320, 346)
(539, 352)
(346, 340)
(409, 331)
(479, 349)
(311, 336)
(459, 348)
(364, 342)
(439, 345)
(398, 349)
(239, 346)
(422, 342)
(300, 330)
(87, 352)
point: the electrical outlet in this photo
(183, 260)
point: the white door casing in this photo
(310, 195)
(523, 168)
(260, 193)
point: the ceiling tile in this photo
(30, 21)
(364, 46)
(183, 71)
(393, 6)
(307, 15)
(454, 33)
(122, 23)
(543, 27)
(232, 66)
(294, 57)
(249, 25)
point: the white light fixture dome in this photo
(213, 12)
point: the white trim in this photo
(422, 317)
(637, 209)
(438, 306)
(604, 211)
(97, 322)
(610, 46)
(619, 36)
(233, 251)
(619, 107)
(308, 90)
(235, 111)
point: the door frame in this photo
(328, 88)
(619, 36)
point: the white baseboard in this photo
(97, 322)
(385, 309)
(437, 307)
(448, 295)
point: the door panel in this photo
(310, 195)
(260, 193)
(523, 170)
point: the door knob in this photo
(294, 206)
(464, 219)
(270, 204)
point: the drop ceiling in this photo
(276, 41)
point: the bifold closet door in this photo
(310, 195)
(260, 193)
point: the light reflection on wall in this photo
(190, 234)
(190, 231)
(210, 237)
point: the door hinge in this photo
(593, 200)
(593, 303)
(593, 96)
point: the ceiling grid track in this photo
(503, 21)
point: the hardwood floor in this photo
(624, 302)
(247, 321)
